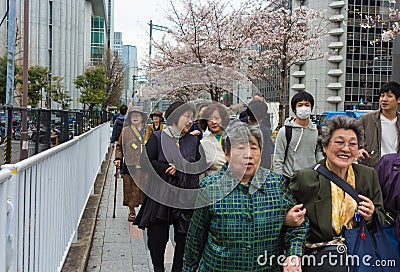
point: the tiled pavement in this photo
(118, 245)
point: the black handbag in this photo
(317, 259)
(368, 250)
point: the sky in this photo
(132, 18)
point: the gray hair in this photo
(240, 132)
(338, 122)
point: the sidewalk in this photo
(117, 245)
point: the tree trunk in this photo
(282, 94)
(214, 94)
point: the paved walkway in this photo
(118, 245)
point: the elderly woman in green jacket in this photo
(240, 228)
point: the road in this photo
(16, 151)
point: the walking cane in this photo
(115, 189)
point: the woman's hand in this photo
(195, 132)
(295, 216)
(171, 170)
(362, 154)
(366, 208)
(292, 264)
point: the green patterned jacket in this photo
(241, 231)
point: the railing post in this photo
(8, 211)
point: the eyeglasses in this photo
(188, 117)
(342, 144)
(215, 119)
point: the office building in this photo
(64, 35)
(110, 25)
(117, 47)
(129, 59)
(351, 76)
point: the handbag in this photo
(390, 232)
(368, 250)
(317, 259)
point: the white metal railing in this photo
(42, 200)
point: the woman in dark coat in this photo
(257, 114)
(167, 151)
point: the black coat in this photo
(159, 153)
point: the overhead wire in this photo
(5, 15)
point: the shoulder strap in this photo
(338, 181)
(288, 135)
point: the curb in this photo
(78, 255)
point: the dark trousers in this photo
(158, 235)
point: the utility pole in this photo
(151, 37)
(24, 127)
(155, 27)
(135, 77)
(159, 28)
(316, 98)
(11, 30)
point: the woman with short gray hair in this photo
(232, 233)
(239, 133)
(340, 122)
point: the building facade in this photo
(351, 76)
(129, 59)
(60, 37)
(110, 25)
(117, 45)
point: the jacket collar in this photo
(377, 116)
(258, 182)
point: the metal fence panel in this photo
(49, 192)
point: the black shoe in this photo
(159, 268)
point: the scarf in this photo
(160, 127)
(139, 135)
(343, 205)
(218, 137)
(176, 135)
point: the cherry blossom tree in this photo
(284, 36)
(192, 81)
(254, 38)
(392, 20)
(201, 32)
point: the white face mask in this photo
(303, 112)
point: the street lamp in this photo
(316, 97)
(159, 28)
(48, 93)
(155, 27)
